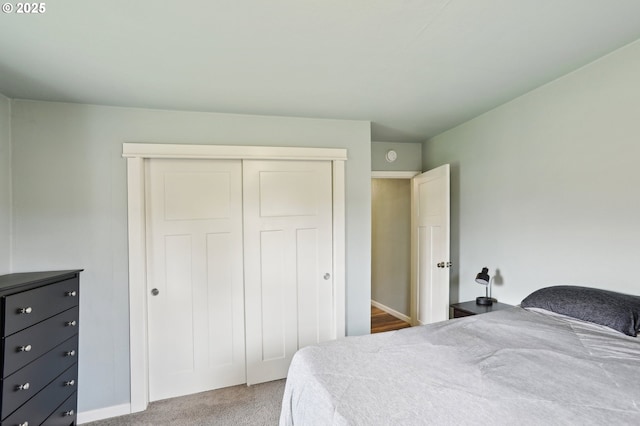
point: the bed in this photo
(517, 366)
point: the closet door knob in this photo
(155, 291)
(327, 276)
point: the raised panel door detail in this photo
(191, 195)
(179, 290)
(430, 192)
(220, 279)
(287, 193)
(315, 321)
(429, 250)
(273, 291)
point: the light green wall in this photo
(545, 187)
(391, 243)
(5, 185)
(70, 209)
(409, 156)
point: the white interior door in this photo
(289, 298)
(194, 276)
(430, 246)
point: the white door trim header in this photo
(219, 152)
(394, 175)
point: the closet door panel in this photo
(288, 262)
(315, 297)
(275, 289)
(179, 289)
(194, 276)
(222, 302)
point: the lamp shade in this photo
(483, 277)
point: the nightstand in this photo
(466, 309)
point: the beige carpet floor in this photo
(237, 405)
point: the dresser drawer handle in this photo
(71, 293)
(70, 353)
(70, 323)
(26, 386)
(25, 311)
(68, 413)
(24, 424)
(70, 383)
(26, 348)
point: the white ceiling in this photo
(414, 68)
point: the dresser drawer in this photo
(41, 406)
(28, 381)
(25, 346)
(65, 414)
(24, 309)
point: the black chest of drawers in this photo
(39, 368)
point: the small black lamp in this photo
(484, 279)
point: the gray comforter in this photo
(507, 367)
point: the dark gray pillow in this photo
(618, 311)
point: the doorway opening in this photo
(390, 250)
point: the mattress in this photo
(514, 366)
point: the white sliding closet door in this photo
(289, 300)
(194, 276)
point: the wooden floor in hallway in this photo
(382, 321)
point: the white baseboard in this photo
(391, 311)
(103, 413)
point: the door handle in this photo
(155, 292)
